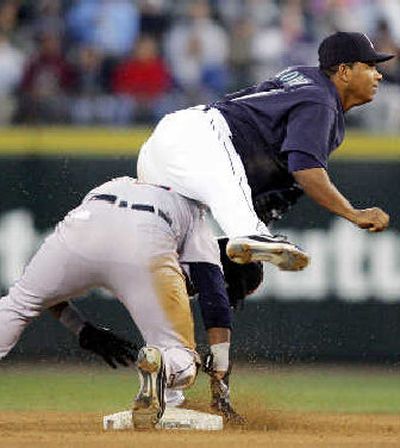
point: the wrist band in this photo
(220, 356)
(72, 319)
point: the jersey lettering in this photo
(293, 78)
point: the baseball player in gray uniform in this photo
(128, 237)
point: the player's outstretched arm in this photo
(318, 186)
(218, 366)
(209, 282)
(99, 340)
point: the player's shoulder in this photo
(296, 76)
(309, 85)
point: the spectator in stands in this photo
(145, 79)
(11, 70)
(155, 17)
(8, 16)
(197, 49)
(384, 115)
(208, 51)
(298, 36)
(90, 75)
(47, 80)
(231, 12)
(267, 50)
(390, 11)
(385, 42)
(18, 34)
(49, 18)
(110, 25)
(240, 56)
(344, 15)
(91, 104)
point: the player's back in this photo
(257, 116)
(258, 119)
(124, 219)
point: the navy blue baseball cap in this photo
(342, 47)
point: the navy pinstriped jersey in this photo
(291, 122)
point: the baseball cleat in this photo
(272, 249)
(174, 398)
(149, 404)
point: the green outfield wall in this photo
(83, 142)
(346, 306)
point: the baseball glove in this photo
(272, 205)
(241, 279)
(112, 348)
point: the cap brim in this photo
(380, 57)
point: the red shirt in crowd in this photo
(145, 79)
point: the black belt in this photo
(112, 199)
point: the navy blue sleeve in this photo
(298, 160)
(309, 130)
(208, 280)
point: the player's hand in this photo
(220, 392)
(112, 348)
(221, 402)
(373, 219)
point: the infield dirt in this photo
(275, 429)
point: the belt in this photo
(112, 199)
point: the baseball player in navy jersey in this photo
(250, 155)
(130, 238)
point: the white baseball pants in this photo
(191, 152)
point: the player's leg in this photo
(174, 397)
(70, 261)
(149, 404)
(157, 300)
(53, 274)
(191, 152)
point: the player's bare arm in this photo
(318, 186)
(218, 335)
(216, 303)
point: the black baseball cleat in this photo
(149, 404)
(272, 249)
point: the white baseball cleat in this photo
(149, 404)
(272, 249)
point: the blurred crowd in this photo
(120, 62)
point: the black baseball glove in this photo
(112, 348)
(272, 205)
(241, 279)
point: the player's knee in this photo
(181, 367)
(183, 380)
(22, 303)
